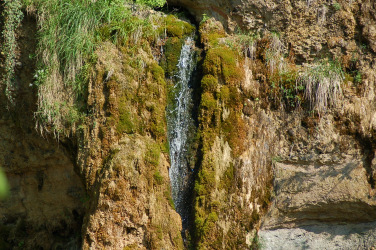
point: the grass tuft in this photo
(322, 83)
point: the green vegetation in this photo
(167, 194)
(4, 186)
(173, 27)
(153, 154)
(158, 177)
(322, 82)
(69, 32)
(222, 74)
(152, 3)
(12, 16)
(256, 243)
(337, 6)
(176, 31)
(358, 78)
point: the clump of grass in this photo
(153, 154)
(158, 177)
(274, 54)
(337, 6)
(322, 82)
(12, 16)
(69, 31)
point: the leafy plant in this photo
(205, 17)
(358, 78)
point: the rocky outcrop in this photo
(122, 153)
(322, 161)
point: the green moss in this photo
(177, 28)
(222, 62)
(235, 131)
(176, 31)
(158, 73)
(208, 102)
(211, 31)
(209, 83)
(153, 154)
(158, 122)
(224, 94)
(128, 122)
(204, 226)
(158, 177)
(227, 178)
(172, 51)
(167, 194)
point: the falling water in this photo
(180, 123)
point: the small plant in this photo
(358, 78)
(158, 177)
(337, 6)
(205, 17)
(256, 243)
(276, 159)
(322, 82)
(153, 154)
(274, 54)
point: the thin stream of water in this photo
(180, 123)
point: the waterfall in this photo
(180, 124)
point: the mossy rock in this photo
(158, 73)
(221, 62)
(235, 131)
(176, 28)
(172, 51)
(128, 120)
(158, 177)
(211, 31)
(209, 83)
(153, 154)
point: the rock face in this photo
(267, 162)
(321, 236)
(45, 207)
(323, 167)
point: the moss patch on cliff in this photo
(219, 116)
(175, 32)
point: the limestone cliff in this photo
(320, 160)
(284, 152)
